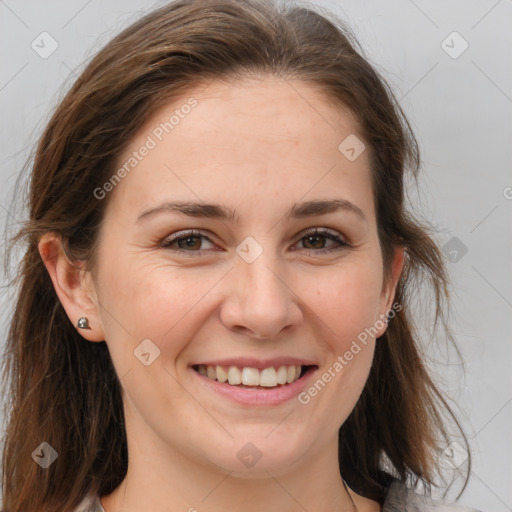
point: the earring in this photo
(83, 323)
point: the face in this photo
(252, 289)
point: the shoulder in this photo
(91, 503)
(402, 499)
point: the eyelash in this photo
(331, 235)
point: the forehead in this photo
(258, 138)
(264, 108)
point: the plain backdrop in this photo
(450, 65)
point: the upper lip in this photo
(259, 364)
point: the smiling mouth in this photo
(252, 378)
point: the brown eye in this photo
(186, 242)
(189, 242)
(315, 241)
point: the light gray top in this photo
(399, 499)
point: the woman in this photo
(213, 309)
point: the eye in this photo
(186, 242)
(312, 238)
(191, 241)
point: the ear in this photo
(389, 287)
(73, 286)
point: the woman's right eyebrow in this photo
(192, 209)
(217, 211)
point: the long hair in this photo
(65, 391)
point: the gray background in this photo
(460, 107)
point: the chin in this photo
(273, 454)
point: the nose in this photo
(259, 302)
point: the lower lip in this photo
(260, 396)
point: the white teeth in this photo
(211, 373)
(290, 375)
(222, 375)
(268, 378)
(248, 376)
(234, 376)
(281, 375)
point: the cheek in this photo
(345, 305)
(161, 304)
(345, 299)
(153, 301)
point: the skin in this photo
(292, 300)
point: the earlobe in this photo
(72, 287)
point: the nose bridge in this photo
(260, 300)
(261, 279)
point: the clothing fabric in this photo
(399, 499)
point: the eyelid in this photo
(330, 234)
(320, 231)
(167, 241)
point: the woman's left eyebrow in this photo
(217, 211)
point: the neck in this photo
(162, 479)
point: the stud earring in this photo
(83, 323)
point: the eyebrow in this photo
(217, 211)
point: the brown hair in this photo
(65, 391)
